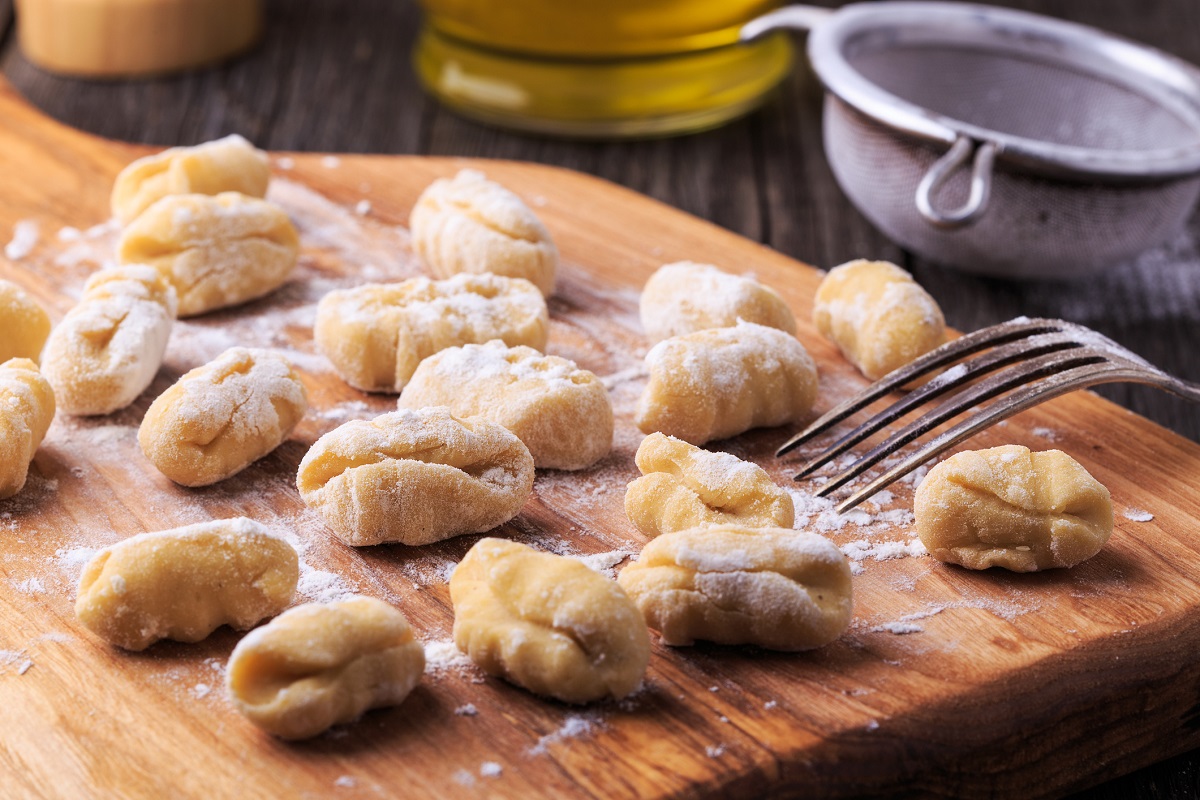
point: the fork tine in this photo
(935, 359)
(1055, 385)
(1015, 377)
(950, 380)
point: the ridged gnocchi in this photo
(184, 583)
(547, 623)
(877, 315)
(231, 164)
(473, 225)
(415, 477)
(321, 664)
(684, 487)
(219, 418)
(216, 250)
(26, 411)
(777, 588)
(24, 325)
(376, 335)
(561, 412)
(686, 297)
(718, 383)
(108, 348)
(1013, 508)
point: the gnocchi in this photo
(717, 383)
(184, 583)
(376, 335)
(1013, 508)
(877, 315)
(415, 477)
(24, 325)
(561, 412)
(547, 623)
(473, 225)
(321, 664)
(777, 588)
(26, 411)
(231, 164)
(686, 297)
(684, 487)
(221, 417)
(108, 348)
(216, 250)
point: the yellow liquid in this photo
(598, 67)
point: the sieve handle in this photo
(801, 18)
(981, 183)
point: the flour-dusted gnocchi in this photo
(777, 588)
(26, 411)
(686, 297)
(684, 487)
(877, 315)
(547, 623)
(473, 225)
(1013, 508)
(231, 164)
(24, 325)
(319, 665)
(561, 412)
(216, 250)
(717, 383)
(415, 477)
(221, 417)
(109, 347)
(184, 583)
(376, 335)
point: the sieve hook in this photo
(946, 166)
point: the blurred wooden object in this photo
(121, 38)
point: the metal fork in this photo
(1034, 360)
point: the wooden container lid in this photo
(113, 38)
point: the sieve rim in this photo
(1152, 73)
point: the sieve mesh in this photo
(1024, 95)
(1034, 226)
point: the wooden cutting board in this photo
(948, 682)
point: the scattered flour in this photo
(285, 162)
(714, 751)
(331, 162)
(1048, 434)
(24, 239)
(443, 656)
(362, 207)
(345, 782)
(1137, 515)
(468, 710)
(574, 726)
(321, 586)
(604, 563)
(899, 628)
(32, 585)
(490, 769)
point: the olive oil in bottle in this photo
(598, 68)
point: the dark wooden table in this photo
(335, 76)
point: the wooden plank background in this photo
(335, 76)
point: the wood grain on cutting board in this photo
(1007, 685)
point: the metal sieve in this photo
(1002, 142)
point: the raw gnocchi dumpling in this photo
(561, 412)
(24, 325)
(473, 225)
(220, 418)
(26, 411)
(231, 164)
(376, 335)
(108, 348)
(216, 250)
(184, 583)
(547, 623)
(684, 487)
(877, 315)
(1013, 508)
(718, 383)
(686, 297)
(321, 664)
(777, 588)
(415, 477)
